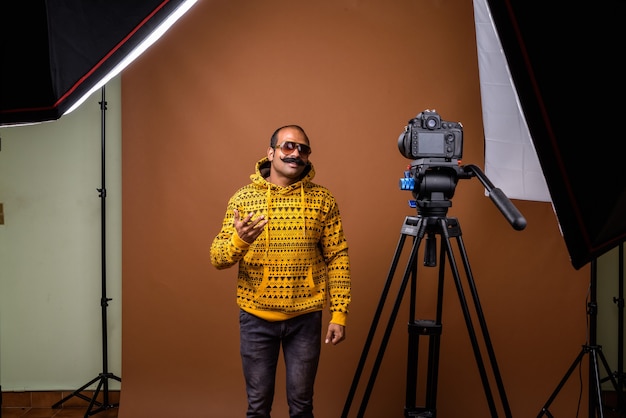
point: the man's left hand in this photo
(336, 334)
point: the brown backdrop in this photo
(198, 110)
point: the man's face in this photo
(289, 158)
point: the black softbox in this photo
(565, 66)
(56, 51)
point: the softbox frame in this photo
(564, 66)
(55, 51)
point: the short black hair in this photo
(274, 138)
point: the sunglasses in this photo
(288, 147)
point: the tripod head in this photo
(433, 182)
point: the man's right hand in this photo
(247, 228)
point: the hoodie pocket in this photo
(286, 281)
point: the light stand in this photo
(620, 335)
(595, 352)
(102, 378)
(619, 301)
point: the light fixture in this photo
(58, 53)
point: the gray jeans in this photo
(260, 343)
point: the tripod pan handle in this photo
(507, 208)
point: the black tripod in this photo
(436, 186)
(595, 352)
(102, 378)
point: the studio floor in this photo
(40, 405)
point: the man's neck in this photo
(279, 180)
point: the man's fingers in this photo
(260, 221)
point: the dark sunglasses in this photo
(288, 147)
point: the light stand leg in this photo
(621, 405)
(620, 323)
(102, 378)
(595, 352)
(619, 301)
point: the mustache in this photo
(290, 160)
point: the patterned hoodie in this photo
(301, 257)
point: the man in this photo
(286, 234)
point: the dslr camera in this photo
(428, 136)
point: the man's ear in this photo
(270, 153)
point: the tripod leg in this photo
(595, 406)
(406, 230)
(484, 330)
(392, 317)
(595, 394)
(450, 227)
(434, 342)
(546, 406)
(616, 384)
(373, 327)
(93, 400)
(619, 373)
(105, 404)
(95, 396)
(76, 393)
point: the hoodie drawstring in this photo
(302, 209)
(267, 229)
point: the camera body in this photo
(428, 136)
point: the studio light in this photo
(58, 53)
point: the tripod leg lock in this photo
(424, 327)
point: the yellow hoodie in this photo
(300, 259)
